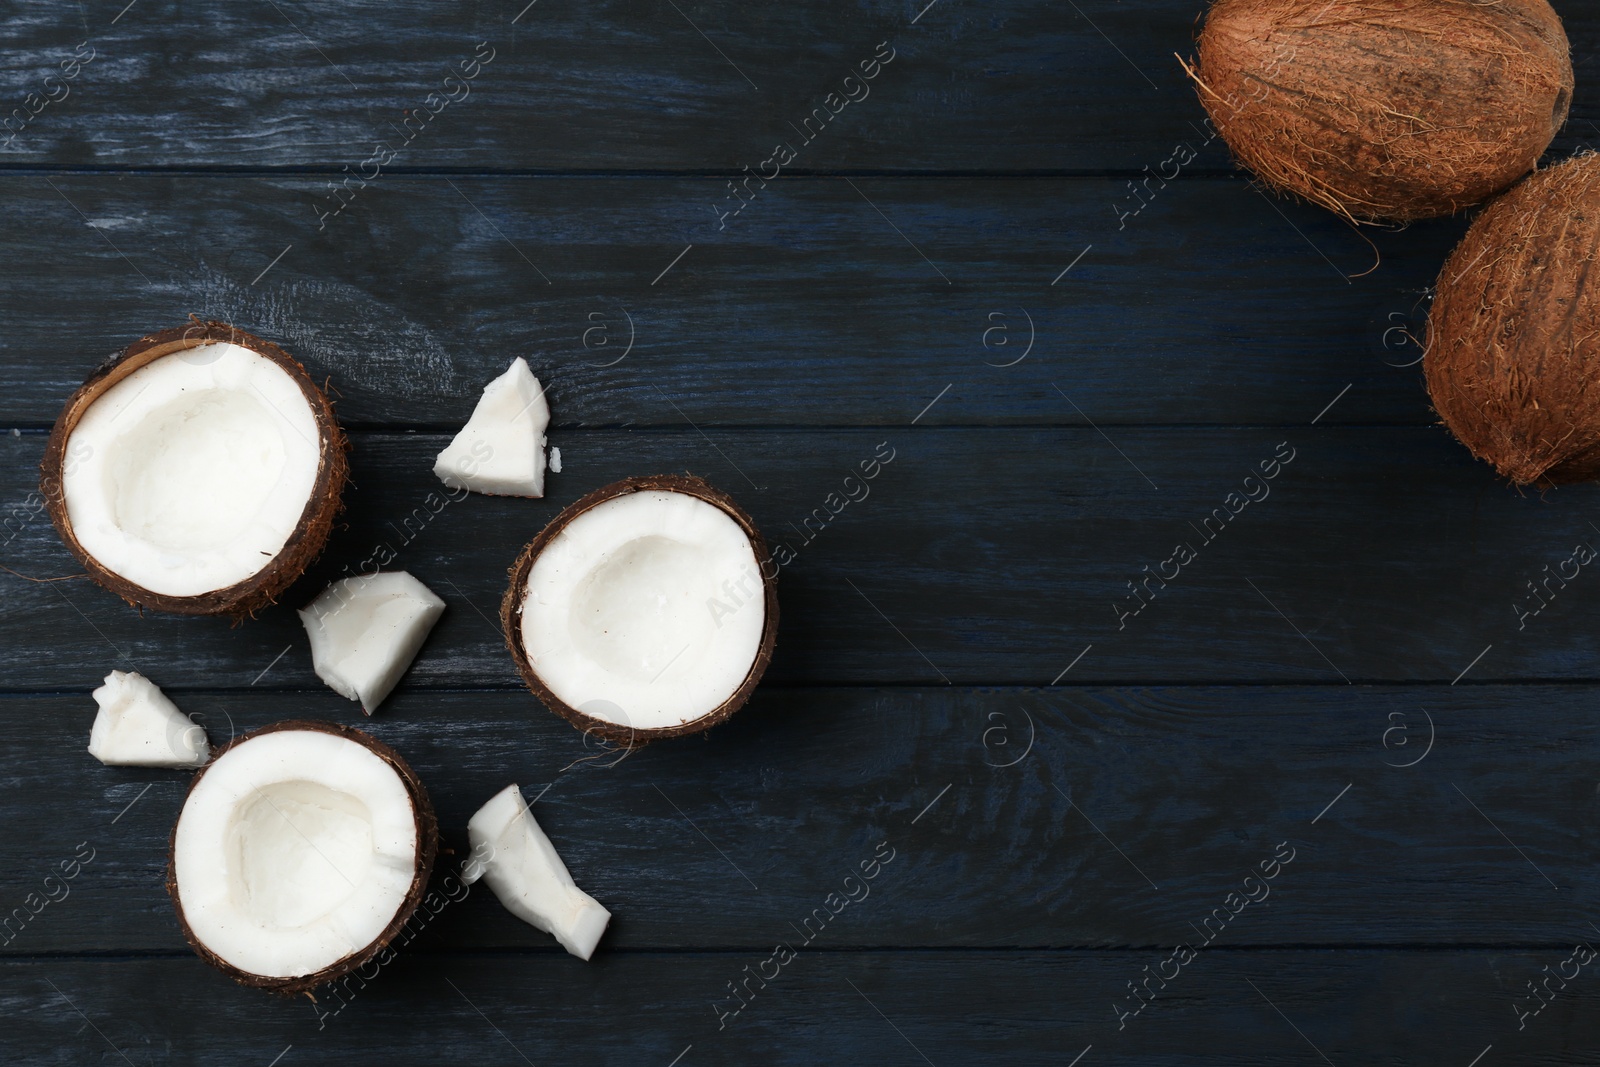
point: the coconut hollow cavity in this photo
(647, 609)
(198, 472)
(1385, 110)
(301, 851)
(1513, 356)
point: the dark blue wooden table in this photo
(1327, 793)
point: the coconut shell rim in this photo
(427, 824)
(312, 529)
(628, 736)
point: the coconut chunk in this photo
(512, 854)
(366, 630)
(300, 853)
(137, 726)
(500, 451)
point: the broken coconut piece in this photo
(366, 630)
(500, 451)
(301, 851)
(137, 726)
(198, 472)
(512, 853)
(647, 609)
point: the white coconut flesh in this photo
(137, 726)
(511, 852)
(500, 451)
(366, 630)
(190, 474)
(294, 850)
(647, 610)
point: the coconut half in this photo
(500, 451)
(647, 609)
(137, 726)
(511, 852)
(301, 851)
(197, 472)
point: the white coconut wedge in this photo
(198, 472)
(366, 630)
(648, 609)
(300, 852)
(137, 726)
(500, 451)
(511, 852)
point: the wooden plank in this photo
(1249, 1008)
(1212, 305)
(1052, 842)
(624, 85)
(1084, 817)
(977, 557)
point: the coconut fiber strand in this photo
(1385, 109)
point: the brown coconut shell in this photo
(316, 522)
(1385, 110)
(427, 851)
(1513, 355)
(628, 736)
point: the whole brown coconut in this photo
(1513, 356)
(1385, 110)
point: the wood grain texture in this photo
(1073, 780)
(626, 84)
(979, 557)
(945, 1008)
(1081, 817)
(1212, 305)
